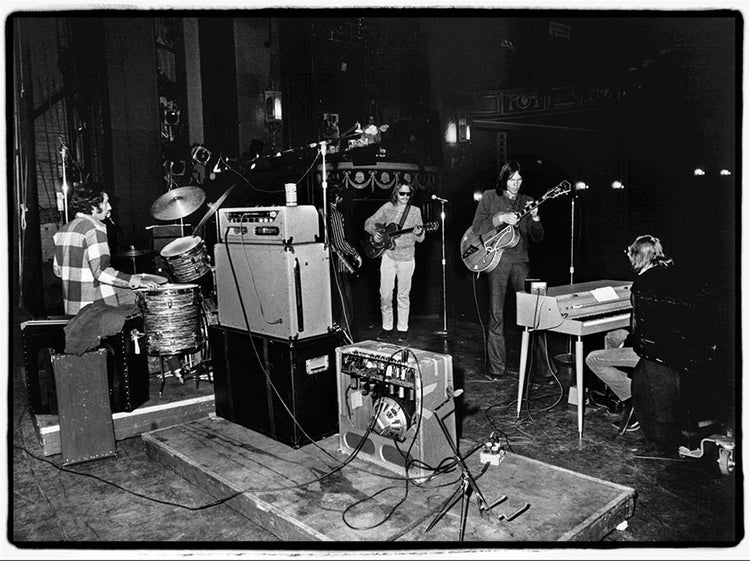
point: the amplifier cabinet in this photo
(261, 383)
(387, 400)
(283, 291)
(127, 366)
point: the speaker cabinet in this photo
(86, 429)
(387, 401)
(282, 291)
(265, 384)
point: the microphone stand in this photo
(324, 184)
(443, 332)
(64, 184)
(571, 270)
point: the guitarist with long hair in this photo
(498, 207)
(396, 263)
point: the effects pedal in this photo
(492, 453)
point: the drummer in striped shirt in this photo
(82, 258)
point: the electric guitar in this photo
(375, 249)
(482, 253)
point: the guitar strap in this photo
(403, 216)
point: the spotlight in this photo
(725, 172)
(177, 168)
(201, 155)
(477, 196)
(171, 116)
(699, 171)
(581, 186)
(617, 184)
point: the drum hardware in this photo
(213, 208)
(178, 203)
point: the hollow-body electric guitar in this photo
(375, 249)
(481, 253)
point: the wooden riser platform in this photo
(179, 403)
(281, 489)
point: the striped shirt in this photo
(82, 262)
(338, 238)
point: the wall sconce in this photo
(451, 132)
(273, 105)
(464, 130)
(457, 130)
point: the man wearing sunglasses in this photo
(397, 264)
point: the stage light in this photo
(201, 154)
(171, 116)
(581, 186)
(725, 172)
(477, 196)
(699, 171)
(617, 184)
(177, 168)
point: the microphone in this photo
(436, 198)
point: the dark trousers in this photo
(513, 274)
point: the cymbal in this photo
(133, 252)
(158, 279)
(213, 208)
(178, 203)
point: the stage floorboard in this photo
(294, 494)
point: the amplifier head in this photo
(274, 225)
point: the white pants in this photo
(391, 270)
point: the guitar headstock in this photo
(562, 189)
(431, 226)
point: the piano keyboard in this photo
(575, 309)
(604, 318)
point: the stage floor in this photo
(309, 494)
(177, 403)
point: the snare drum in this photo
(171, 318)
(186, 258)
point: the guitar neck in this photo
(526, 211)
(400, 232)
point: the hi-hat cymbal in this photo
(178, 203)
(133, 252)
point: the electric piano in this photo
(574, 309)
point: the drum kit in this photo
(177, 314)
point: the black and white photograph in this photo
(374, 281)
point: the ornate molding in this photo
(381, 176)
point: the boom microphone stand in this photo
(468, 483)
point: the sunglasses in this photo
(405, 193)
